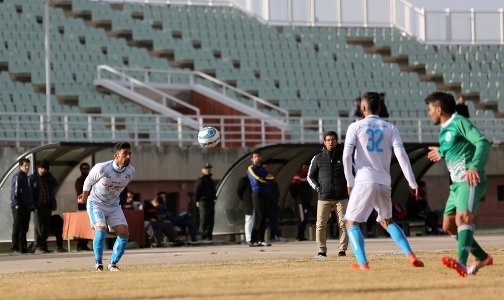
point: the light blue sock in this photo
(118, 251)
(98, 244)
(399, 238)
(357, 242)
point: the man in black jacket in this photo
(44, 199)
(205, 194)
(326, 175)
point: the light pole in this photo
(47, 72)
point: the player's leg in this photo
(358, 209)
(383, 206)
(117, 221)
(98, 223)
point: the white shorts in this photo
(101, 215)
(366, 196)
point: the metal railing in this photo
(430, 27)
(30, 129)
(187, 79)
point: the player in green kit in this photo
(465, 151)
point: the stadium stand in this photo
(312, 72)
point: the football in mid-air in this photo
(208, 137)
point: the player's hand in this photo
(349, 189)
(416, 194)
(472, 177)
(80, 199)
(197, 204)
(433, 154)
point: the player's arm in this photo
(350, 142)
(92, 178)
(403, 160)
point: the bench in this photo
(411, 223)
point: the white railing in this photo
(431, 27)
(133, 84)
(30, 129)
(185, 78)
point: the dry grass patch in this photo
(390, 277)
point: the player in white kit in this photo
(101, 191)
(373, 140)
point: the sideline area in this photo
(180, 255)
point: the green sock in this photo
(476, 249)
(465, 241)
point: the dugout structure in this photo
(285, 161)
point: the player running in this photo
(373, 140)
(101, 191)
(465, 151)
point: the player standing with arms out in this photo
(374, 140)
(465, 151)
(101, 191)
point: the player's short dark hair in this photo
(442, 99)
(122, 145)
(331, 133)
(23, 160)
(373, 101)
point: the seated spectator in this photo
(356, 111)
(156, 227)
(183, 220)
(420, 208)
(131, 204)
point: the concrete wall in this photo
(174, 170)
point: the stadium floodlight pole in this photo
(47, 72)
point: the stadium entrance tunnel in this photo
(284, 162)
(63, 158)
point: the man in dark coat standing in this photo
(326, 175)
(21, 205)
(44, 199)
(206, 194)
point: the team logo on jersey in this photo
(448, 136)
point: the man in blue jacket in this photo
(259, 177)
(44, 199)
(21, 205)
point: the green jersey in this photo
(463, 147)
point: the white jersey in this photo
(106, 182)
(374, 140)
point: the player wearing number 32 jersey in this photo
(373, 140)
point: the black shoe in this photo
(342, 253)
(320, 255)
(301, 239)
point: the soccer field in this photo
(283, 271)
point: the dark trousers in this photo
(42, 222)
(207, 214)
(303, 214)
(82, 243)
(57, 229)
(184, 221)
(273, 212)
(21, 218)
(261, 203)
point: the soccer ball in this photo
(208, 137)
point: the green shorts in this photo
(463, 197)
